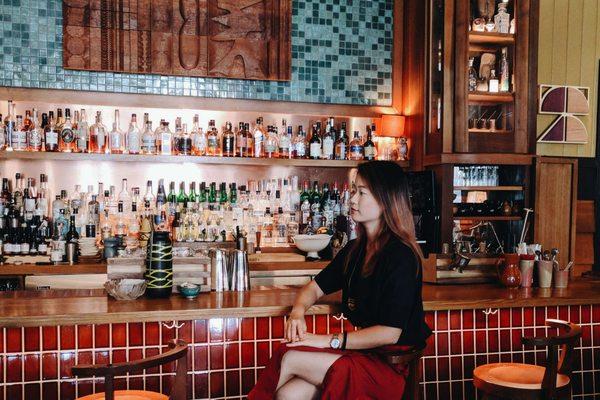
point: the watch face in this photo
(335, 343)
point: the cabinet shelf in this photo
(490, 188)
(16, 155)
(486, 97)
(487, 131)
(492, 38)
(486, 218)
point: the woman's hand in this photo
(318, 341)
(295, 328)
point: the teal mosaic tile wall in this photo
(341, 53)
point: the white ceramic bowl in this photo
(125, 289)
(312, 244)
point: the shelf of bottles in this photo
(491, 62)
(269, 212)
(70, 136)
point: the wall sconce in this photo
(391, 143)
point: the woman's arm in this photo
(296, 325)
(367, 338)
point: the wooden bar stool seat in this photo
(517, 381)
(411, 357)
(177, 352)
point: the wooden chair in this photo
(412, 359)
(532, 382)
(178, 352)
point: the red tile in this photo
(321, 327)
(247, 380)
(442, 343)
(136, 354)
(540, 316)
(455, 343)
(310, 323)
(431, 391)
(586, 335)
(467, 319)
(49, 366)
(493, 318)
(50, 390)
(277, 327)
(216, 357)
(136, 383)
(67, 360)
(346, 326)
(232, 355)
(563, 313)
(152, 383)
(67, 390)
(166, 383)
(596, 313)
(468, 346)
(505, 341)
(13, 340)
(262, 328)
(430, 346)
(232, 329)
(505, 357)
(586, 314)
(457, 390)
(217, 384)
(200, 358)
(429, 371)
(586, 359)
(136, 334)
(50, 338)
(551, 313)
(32, 339)
(185, 332)
(152, 351)
(119, 355)
(443, 368)
(480, 319)
(262, 353)
(528, 316)
(248, 354)
(517, 317)
(84, 336)
(215, 329)
(442, 321)
(232, 383)
(119, 335)
(101, 357)
(494, 358)
(444, 390)
(1, 340)
(102, 335)
(201, 385)
(152, 334)
(120, 384)
(493, 341)
(67, 337)
(456, 371)
(1, 370)
(200, 331)
(13, 369)
(455, 319)
(14, 391)
(32, 367)
(505, 314)
(84, 388)
(247, 329)
(469, 362)
(480, 342)
(167, 334)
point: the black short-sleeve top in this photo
(390, 296)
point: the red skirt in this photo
(355, 375)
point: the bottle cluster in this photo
(269, 212)
(74, 133)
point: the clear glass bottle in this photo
(472, 76)
(2, 134)
(285, 140)
(10, 124)
(125, 197)
(36, 133)
(184, 142)
(258, 136)
(502, 18)
(98, 139)
(116, 137)
(300, 144)
(328, 141)
(369, 149)
(356, 148)
(199, 139)
(228, 141)
(148, 139)
(67, 141)
(271, 146)
(494, 84)
(240, 142)
(20, 135)
(134, 137)
(341, 144)
(504, 71)
(121, 223)
(165, 139)
(315, 144)
(212, 139)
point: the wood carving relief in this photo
(247, 39)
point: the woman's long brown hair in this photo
(388, 183)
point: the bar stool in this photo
(178, 352)
(411, 357)
(526, 381)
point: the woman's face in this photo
(363, 206)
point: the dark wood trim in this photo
(461, 93)
(449, 71)
(484, 159)
(522, 78)
(534, 23)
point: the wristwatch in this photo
(335, 342)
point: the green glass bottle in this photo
(182, 197)
(212, 193)
(222, 193)
(232, 193)
(202, 193)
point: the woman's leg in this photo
(297, 388)
(309, 366)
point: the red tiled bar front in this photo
(228, 349)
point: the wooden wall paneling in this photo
(586, 227)
(534, 22)
(444, 175)
(449, 64)
(556, 205)
(461, 40)
(522, 80)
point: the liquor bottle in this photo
(116, 137)
(315, 143)
(98, 139)
(27, 123)
(36, 133)
(356, 148)
(270, 143)
(51, 133)
(28, 200)
(82, 133)
(184, 142)
(502, 19)
(327, 151)
(20, 135)
(171, 201)
(504, 72)
(43, 197)
(149, 195)
(212, 139)
(93, 210)
(192, 196)
(134, 136)
(2, 134)
(285, 141)
(177, 135)
(494, 84)
(10, 124)
(212, 193)
(125, 197)
(182, 196)
(249, 140)
(300, 144)
(341, 144)
(161, 196)
(259, 136)
(134, 222)
(199, 138)
(369, 147)
(73, 237)
(223, 193)
(121, 223)
(472, 76)
(164, 139)
(241, 149)
(148, 139)
(228, 141)
(67, 136)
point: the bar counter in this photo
(61, 307)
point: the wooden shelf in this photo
(17, 155)
(480, 159)
(486, 97)
(485, 218)
(490, 188)
(61, 269)
(492, 38)
(488, 132)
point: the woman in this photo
(380, 277)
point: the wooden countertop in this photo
(66, 307)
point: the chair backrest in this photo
(566, 342)
(177, 352)
(410, 357)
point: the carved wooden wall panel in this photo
(248, 39)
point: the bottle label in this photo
(134, 144)
(270, 147)
(35, 139)
(185, 145)
(43, 248)
(148, 144)
(67, 135)
(115, 141)
(300, 149)
(100, 139)
(213, 142)
(356, 151)
(327, 147)
(24, 248)
(341, 151)
(20, 140)
(30, 205)
(369, 152)
(227, 145)
(52, 137)
(315, 150)
(241, 142)
(81, 140)
(165, 144)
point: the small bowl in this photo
(125, 289)
(189, 290)
(312, 244)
